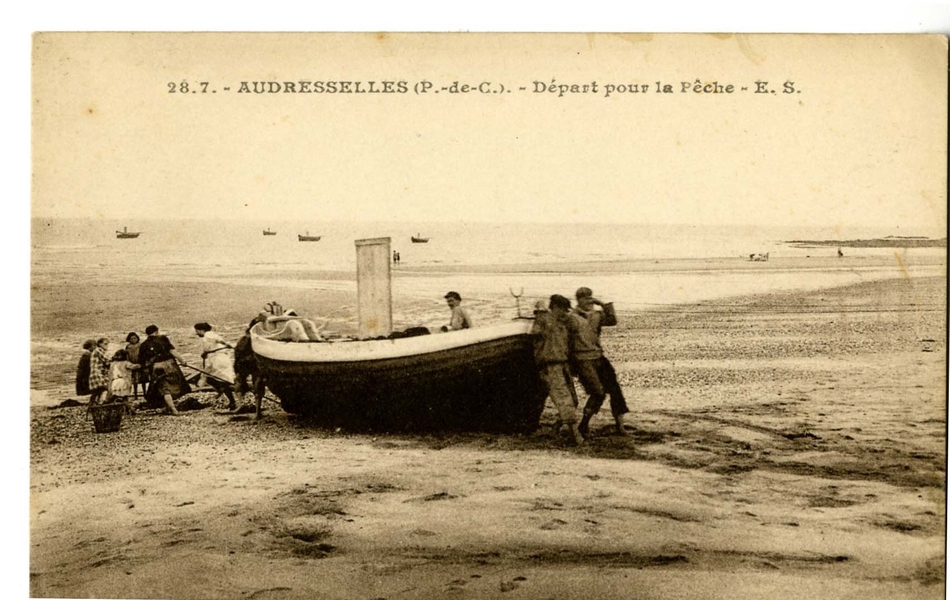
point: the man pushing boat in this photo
(600, 314)
(551, 353)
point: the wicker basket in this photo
(107, 417)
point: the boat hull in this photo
(126, 236)
(308, 238)
(487, 385)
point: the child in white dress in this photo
(121, 376)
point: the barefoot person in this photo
(598, 315)
(139, 375)
(166, 382)
(245, 365)
(99, 378)
(216, 362)
(551, 355)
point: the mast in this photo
(374, 288)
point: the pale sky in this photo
(862, 142)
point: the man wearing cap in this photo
(599, 314)
(551, 353)
(460, 318)
(586, 355)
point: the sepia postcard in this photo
(392, 315)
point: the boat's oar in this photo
(215, 377)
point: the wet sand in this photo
(782, 444)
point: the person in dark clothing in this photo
(166, 381)
(599, 314)
(139, 375)
(82, 370)
(245, 366)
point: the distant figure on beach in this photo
(99, 372)
(551, 354)
(166, 381)
(82, 369)
(460, 318)
(219, 366)
(245, 366)
(840, 253)
(395, 257)
(139, 374)
(601, 314)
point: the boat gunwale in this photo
(361, 351)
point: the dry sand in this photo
(784, 445)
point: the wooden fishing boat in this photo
(125, 234)
(308, 238)
(418, 239)
(269, 232)
(479, 379)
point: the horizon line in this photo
(460, 222)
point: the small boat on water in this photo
(125, 234)
(269, 232)
(308, 238)
(418, 239)
(479, 379)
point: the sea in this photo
(234, 250)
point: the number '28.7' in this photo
(184, 88)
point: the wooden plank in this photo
(374, 288)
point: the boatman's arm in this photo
(609, 316)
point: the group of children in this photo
(105, 378)
(115, 378)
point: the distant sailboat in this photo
(125, 234)
(308, 238)
(418, 239)
(269, 232)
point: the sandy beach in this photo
(783, 443)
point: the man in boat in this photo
(598, 315)
(551, 353)
(277, 324)
(460, 318)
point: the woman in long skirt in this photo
(217, 362)
(166, 381)
(82, 369)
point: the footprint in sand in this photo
(455, 585)
(553, 524)
(274, 593)
(422, 532)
